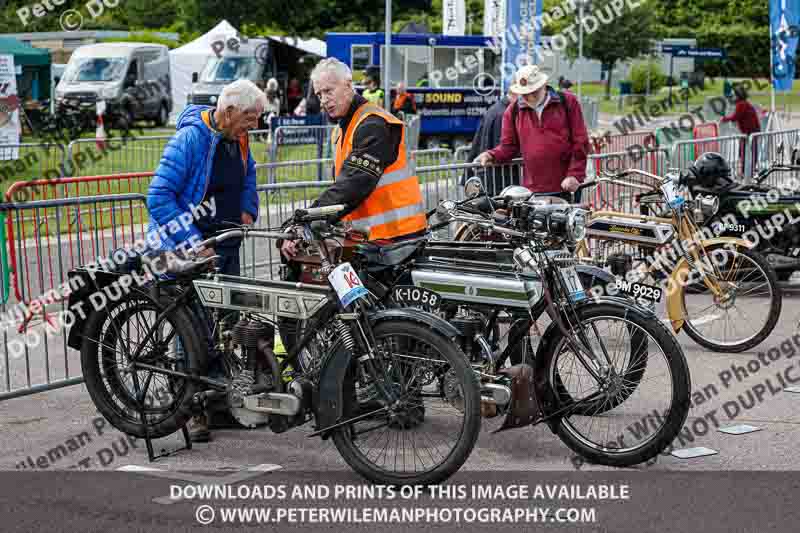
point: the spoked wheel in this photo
(745, 311)
(637, 407)
(425, 409)
(111, 337)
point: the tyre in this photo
(111, 335)
(163, 116)
(723, 323)
(652, 412)
(422, 367)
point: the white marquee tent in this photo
(190, 58)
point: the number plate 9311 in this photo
(411, 296)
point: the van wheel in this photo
(163, 116)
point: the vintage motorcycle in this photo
(703, 296)
(600, 363)
(712, 281)
(389, 386)
(732, 209)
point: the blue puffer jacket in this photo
(183, 175)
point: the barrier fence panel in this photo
(413, 128)
(608, 196)
(27, 161)
(290, 171)
(611, 144)
(461, 155)
(769, 148)
(260, 145)
(46, 239)
(299, 143)
(115, 156)
(733, 148)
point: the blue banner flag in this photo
(783, 24)
(522, 36)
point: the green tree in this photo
(628, 36)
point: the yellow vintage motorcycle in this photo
(720, 290)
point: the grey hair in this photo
(333, 66)
(243, 95)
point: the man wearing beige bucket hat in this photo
(546, 127)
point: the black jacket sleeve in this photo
(375, 146)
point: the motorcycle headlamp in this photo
(709, 205)
(473, 187)
(576, 225)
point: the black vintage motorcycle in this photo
(768, 213)
(389, 386)
(600, 365)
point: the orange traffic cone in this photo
(100, 133)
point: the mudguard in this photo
(544, 394)
(676, 283)
(88, 284)
(335, 379)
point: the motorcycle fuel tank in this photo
(630, 229)
(477, 286)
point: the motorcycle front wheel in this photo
(638, 408)
(424, 419)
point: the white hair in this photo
(243, 95)
(333, 66)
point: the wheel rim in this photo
(722, 320)
(631, 424)
(423, 429)
(121, 335)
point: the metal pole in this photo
(387, 58)
(580, 47)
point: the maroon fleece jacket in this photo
(547, 151)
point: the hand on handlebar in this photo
(570, 184)
(289, 249)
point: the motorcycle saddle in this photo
(390, 254)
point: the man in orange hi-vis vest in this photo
(373, 176)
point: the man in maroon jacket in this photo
(745, 115)
(547, 128)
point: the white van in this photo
(132, 78)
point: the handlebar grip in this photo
(320, 212)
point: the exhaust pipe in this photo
(492, 397)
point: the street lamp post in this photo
(582, 4)
(387, 57)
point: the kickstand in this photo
(148, 440)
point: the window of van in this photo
(95, 69)
(229, 69)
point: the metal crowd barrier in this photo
(607, 196)
(298, 143)
(611, 144)
(591, 112)
(40, 260)
(764, 149)
(733, 148)
(118, 155)
(260, 145)
(26, 161)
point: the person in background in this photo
(209, 159)
(404, 101)
(564, 83)
(547, 128)
(744, 115)
(746, 118)
(423, 81)
(373, 93)
(273, 106)
(294, 94)
(313, 107)
(486, 138)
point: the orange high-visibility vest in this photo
(395, 208)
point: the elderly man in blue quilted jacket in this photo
(208, 160)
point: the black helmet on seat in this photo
(711, 171)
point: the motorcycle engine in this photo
(470, 325)
(251, 370)
(705, 207)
